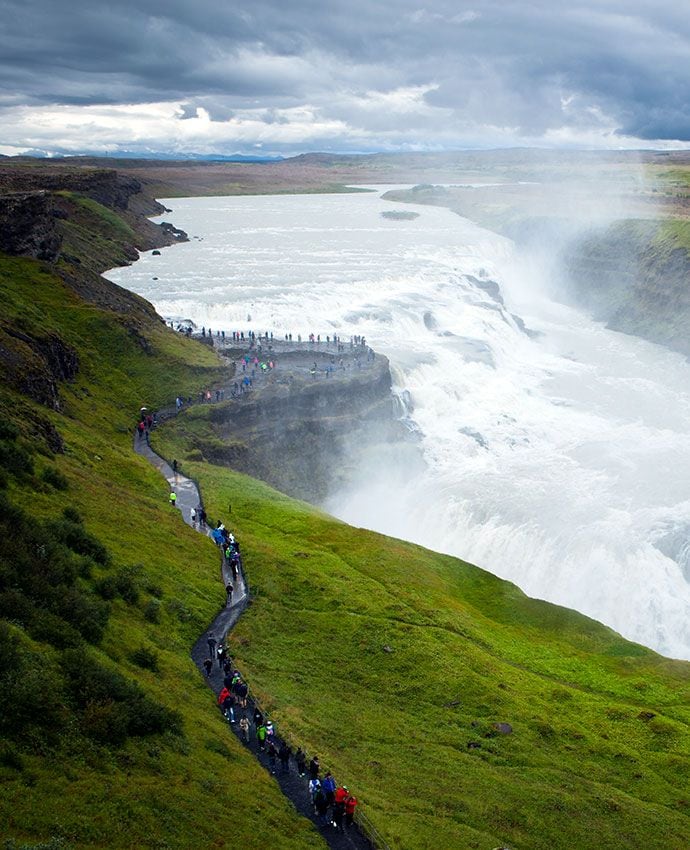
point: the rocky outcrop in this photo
(635, 276)
(104, 185)
(303, 432)
(28, 225)
(35, 365)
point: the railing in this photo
(368, 829)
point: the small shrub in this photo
(8, 430)
(155, 590)
(147, 717)
(218, 747)
(71, 514)
(16, 460)
(9, 757)
(76, 538)
(127, 587)
(146, 659)
(180, 610)
(55, 478)
(106, 587)
(152, 611)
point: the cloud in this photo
(349, 75)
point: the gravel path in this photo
(291, 784)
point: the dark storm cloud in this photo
(527, 66)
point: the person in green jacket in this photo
(173, 498)
(261, 736)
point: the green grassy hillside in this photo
(391, 662)
(599, 756)
(108, 735)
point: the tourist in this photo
(314, 768)
(339, 807)
(284, 755)
(301, 761)
(173, 498)
(211, 641)
(320, 802)
(350, 806)
(228, 591)
(329, 786)
(208, 666)
(244, 727)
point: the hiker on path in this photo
(242, 690)
(321, 806)
(329, 785)
(284, 755)
(220, 654)
(301, 760)
(314, 768)
(211, 641)
(350, 806)
(314, 787)
(208, 666)
(261, 737)
(192, 517)
(173, 498)
(244, 727)
(258, 717)
(228, 589)
(341, 795)
(174, 467)
(229, 707)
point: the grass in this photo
(168, 791)
(586, 765)
(391, 662)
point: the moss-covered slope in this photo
(395, 664)
(109, 736)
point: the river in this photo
(558, 458)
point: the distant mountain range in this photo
(153, 155)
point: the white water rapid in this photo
(560, 461)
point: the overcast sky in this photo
(287, 76)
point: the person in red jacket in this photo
(350, 806)
(341, 795)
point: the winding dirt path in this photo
(291, 784)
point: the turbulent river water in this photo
(558, 459)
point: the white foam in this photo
(559, 462)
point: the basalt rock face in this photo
(48, 214)
(635, 276)
(305, 434)
(35, 365)
(100, 184)
(28, 225)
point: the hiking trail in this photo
(291, 784)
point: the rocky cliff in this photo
(77, 222)
(635, 276)
(303, 429)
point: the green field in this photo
(391, 662)
(600, 751)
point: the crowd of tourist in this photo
(333, 805)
